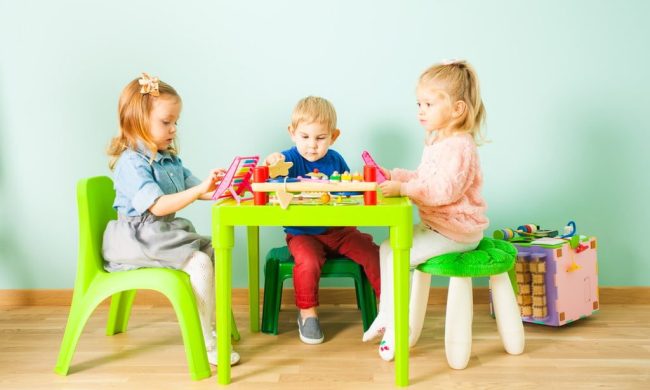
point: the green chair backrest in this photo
(95, 197)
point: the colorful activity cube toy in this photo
(557, 279)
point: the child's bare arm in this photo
(172, 203)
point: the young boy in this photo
(313, 130)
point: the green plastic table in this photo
(395, 213)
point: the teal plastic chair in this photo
(93, 284)
(279, 267)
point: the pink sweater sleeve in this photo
(402, 175)
(444, 174)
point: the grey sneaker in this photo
(309, 330)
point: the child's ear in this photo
(335, 135)
(291, 132)
(459, 109)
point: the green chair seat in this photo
(491, 257)
(279, 267)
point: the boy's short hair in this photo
(314, 109)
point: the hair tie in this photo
(149, 85)
(452, 61)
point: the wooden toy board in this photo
(315, 186)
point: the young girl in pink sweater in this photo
(446, 188)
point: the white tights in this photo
(200, 268)
(427, 243)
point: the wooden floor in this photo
(610, 349)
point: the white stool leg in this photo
(458, 322)
(506, 311)
(418, 304)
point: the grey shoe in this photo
(309, 330)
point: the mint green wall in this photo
(565, 85)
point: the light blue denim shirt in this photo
(138, 183)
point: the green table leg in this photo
(401, 239)
(401, 271)
(254, 277)
(223, 257)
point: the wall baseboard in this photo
(328, 296)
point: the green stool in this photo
(279, 267)
(493, 258)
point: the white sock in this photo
(212, 357)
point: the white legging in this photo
(200, 268)
(427, 243)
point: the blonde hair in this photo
(460, 81)
(314, 109)
(133, 111)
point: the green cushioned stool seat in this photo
(279, 267)
(491, 257)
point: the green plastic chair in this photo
(279, 267)
(93, 284)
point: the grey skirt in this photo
(151, 241)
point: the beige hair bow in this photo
(149, 85)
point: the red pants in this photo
(311, 251)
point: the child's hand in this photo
(391, 188)
(210, 182)
(273, 158)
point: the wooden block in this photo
(280, 168)
(539, 300)
(539, 312)
(538, 278)
(539, 289)
(526, 300)
(527, 311)
(524, 289)
(541, 267)
(523, 278)
(521, 266)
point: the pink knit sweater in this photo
(446, 187)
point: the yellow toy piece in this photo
(280, 168)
